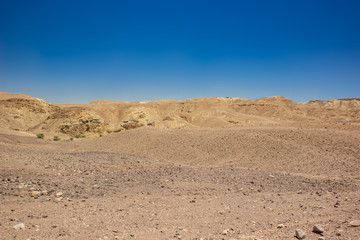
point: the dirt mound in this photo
(25, 113)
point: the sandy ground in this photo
(206, 183)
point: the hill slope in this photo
(24, 113)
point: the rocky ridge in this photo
(23, 113)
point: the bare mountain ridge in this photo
(24, 113)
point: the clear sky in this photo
(69, 51)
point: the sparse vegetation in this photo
(80, 136)
(56, 138)
(71, 139)
(40, 135)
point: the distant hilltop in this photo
(24, 113)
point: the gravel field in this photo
(260, 182)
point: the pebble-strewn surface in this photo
(139, 184)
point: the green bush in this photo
(40, 135)
(56, 138)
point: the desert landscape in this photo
(206, 168)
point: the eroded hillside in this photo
(23, 113)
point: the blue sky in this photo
(77, 51)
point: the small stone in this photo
(318, 228)
(44, 192)
(35, 193)
(355, 223)
(300, 234)
(58, 199)
(225, 232)
(280, 226)
(59, 194)
(321, 238)
(19, 226)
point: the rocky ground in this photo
(222, 183)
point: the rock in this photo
(355, 223)
(321, 238)
(177, 235)
(318, 228)
(59, 194)
(281, 226)
(35, 193)
(19, 226)
(58, 199)
(300, 234)
(44, 192)
(227, 231)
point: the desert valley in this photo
(205, 168)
